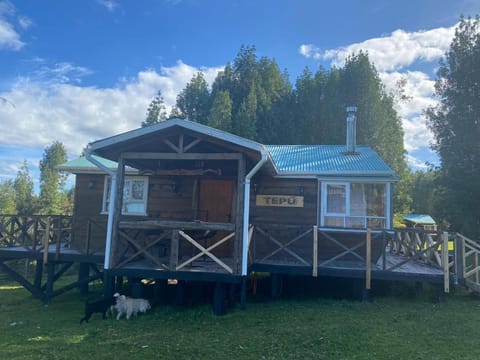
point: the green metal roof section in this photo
(420, 219)
(327, 160)
(83, 165)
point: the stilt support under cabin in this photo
(219, 296)
(83, 272)
(108, 284)
(276, 286)
(243, 293)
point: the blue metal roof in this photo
(420, 219)
(327, 160)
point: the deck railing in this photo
(35, 232)
(367, 249)
(468, 261)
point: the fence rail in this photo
(34, 232)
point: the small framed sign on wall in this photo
(279, 200)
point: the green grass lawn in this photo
(387, 328)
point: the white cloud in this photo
(9, 37)
(58, 108)
(392, 52)
(393, 56)
(310, 51)
(25, 22)
(110, 5)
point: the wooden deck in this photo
(404, 255)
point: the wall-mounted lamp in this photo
(301, 190)
(91, 184)
(175, 185)
(255, 188)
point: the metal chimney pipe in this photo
(351, 129)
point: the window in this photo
(354, 205)
(135, 192)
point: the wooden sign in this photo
(279, 200)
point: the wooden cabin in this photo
(182, 200)
(420, 221)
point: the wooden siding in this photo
(306, 215)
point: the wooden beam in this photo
(174, 250)
(171, 145)
(446, 275)
(315, 252)
(172, 224)
(46, 238)
(204, 251)
(191, 145)
(34, 290)
(368, 260)
(183, 156)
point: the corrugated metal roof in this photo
(420, 219)
(327, 160)
(83, 165)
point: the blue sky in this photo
(77, 71)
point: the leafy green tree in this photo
(25, 199)
(194, 101)
(456, 127)
(52, 181)
(7, 197)
(156, 111)
(220, 116)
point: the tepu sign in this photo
(279, 200)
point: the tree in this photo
(456, 127)
(156, 111)
(245, 119)
(25, 200)
(220, 115)
(7, 197)
(194, 101)
(52, 181)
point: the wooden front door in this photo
(215, 205)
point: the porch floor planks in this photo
(21, 252)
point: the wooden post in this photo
(58, 240)
(446, 275)
(88, 236)
(46, 238)
(50, 281)
(219, 299)
(368, 260)
(459, 259)
(37, 282)
(243, 293)
(174, 244)
(83, 273)
(315, 251)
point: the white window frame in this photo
(144, 201)
(347, 214)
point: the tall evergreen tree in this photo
(156, 111)
(220, 116)
(25, 200)
(455, 124)
(52, 181)
(194, 101)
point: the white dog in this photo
(129, 306)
